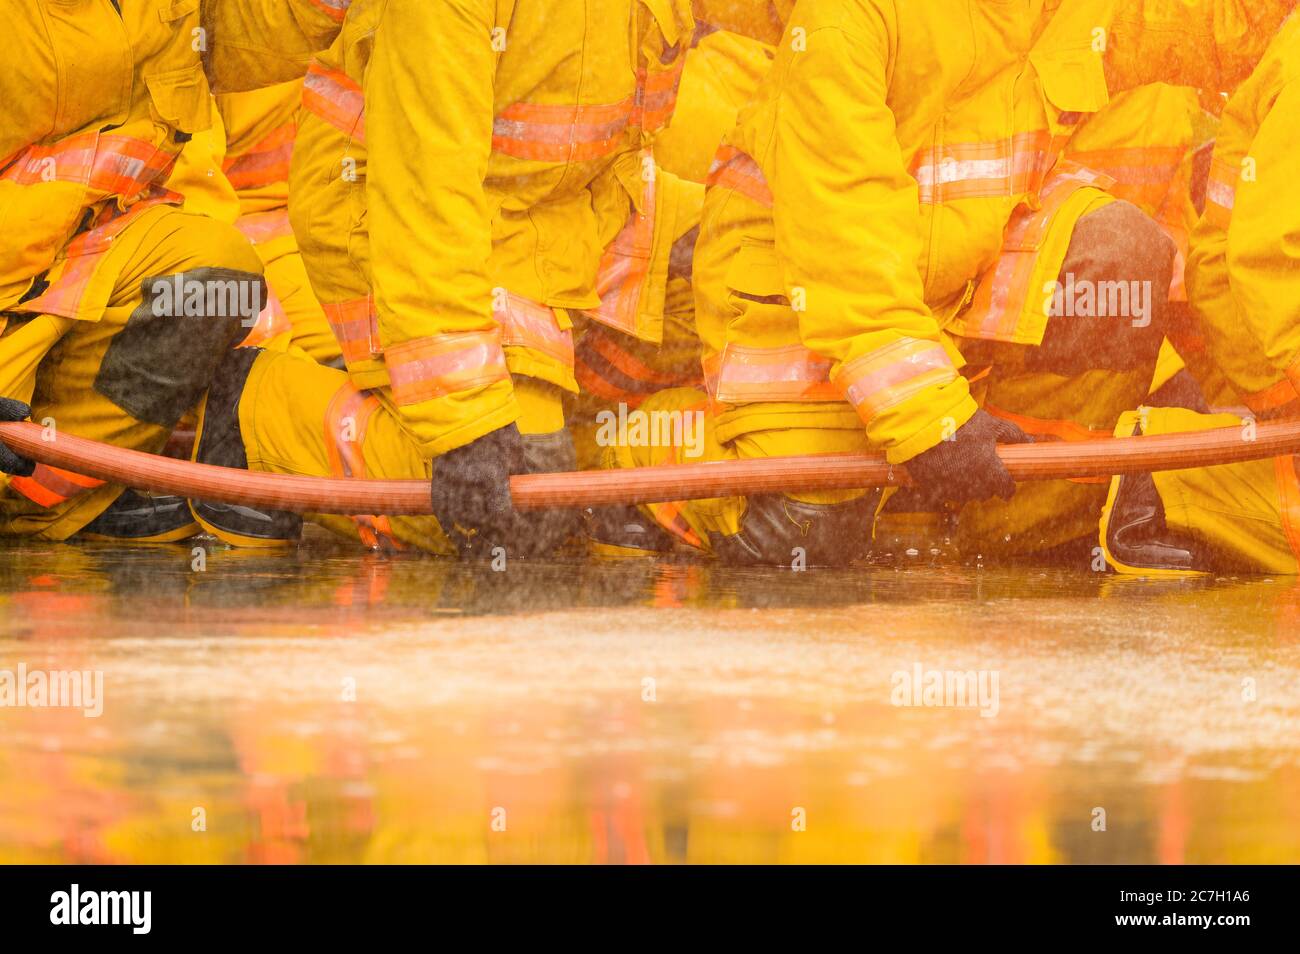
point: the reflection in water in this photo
(322, 706)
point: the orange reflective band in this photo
(336, 10)
(669, 514)
(1143, 175)
(113, 165)
(356, 328)
(265, 163)
(1273, 397)
(1288, 485)
(526, 324)
(656, 96)
(52, 486)
(429, 368)
(336, 98)
(346, 420)
(979, 170)
(561, 133)
(1060, 430)
(86, 252)
(625, 266)
(271, 322)
(262, 227)
(1221, 192)
(735, 170)
(600, 342)
(1293, 373)
(888, 376)
(742, 375)
(1003, 291)
(604, 368)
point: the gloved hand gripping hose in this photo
(1048, 461)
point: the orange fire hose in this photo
(1099, 458)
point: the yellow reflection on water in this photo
(325, 707)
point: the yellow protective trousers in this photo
(678, 426)
(300, 417)
(1052, 391)
(119, 373)
(1246, 516)
(292, 316)
(238, 172)
(614, 366)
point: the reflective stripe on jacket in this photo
(533, 175)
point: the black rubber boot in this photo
(625, 531)
(137, 518)
(777, 530)
(220, 442)
(1137, 534)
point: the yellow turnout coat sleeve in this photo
(1241, 272)
(1264, 237)
(865, 311)
(429, 98)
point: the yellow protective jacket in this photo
(871, 182)
(97, 104)
(501, 192)
(1242, 276)
(722, 73)
(260, 128)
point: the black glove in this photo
(471, 499)
(967, 467)
(11, 463)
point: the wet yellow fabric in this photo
(1238, 511)
(1242, 271)
(162, 241)
(857, 94)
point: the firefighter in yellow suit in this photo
(261, 126)
(636, 341)
(1245, 293)
(889, 221)
(103, 332)
(497, 187)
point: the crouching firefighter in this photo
(1244, 292)
(890, 249)
(453, 223)
(115, 306)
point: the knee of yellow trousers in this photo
(798, 442)
(1040, 517)
(185, 288)
(1239, 512)
(183, 241)
(672, 426)
(163, 359)
(283, 413)
(1110, 302)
